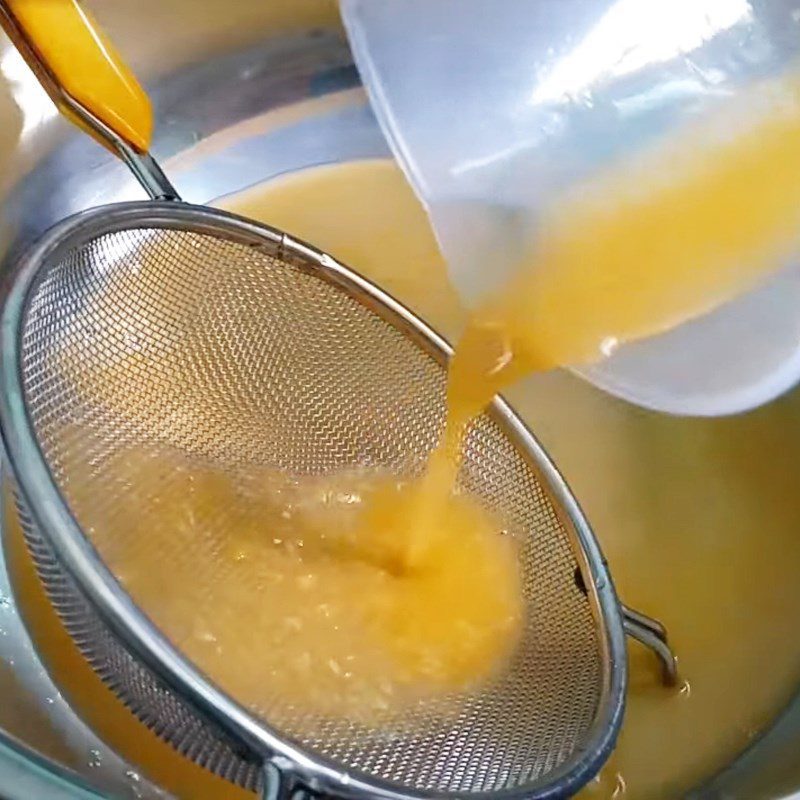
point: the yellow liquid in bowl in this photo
(292, 592)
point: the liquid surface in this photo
(314, 571)
(666, 496)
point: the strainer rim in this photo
(80, 559)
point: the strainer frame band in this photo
(80, 559)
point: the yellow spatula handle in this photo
(80, 69)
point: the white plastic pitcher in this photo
(491, 107)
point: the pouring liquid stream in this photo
(664, 238)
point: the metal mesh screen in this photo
(185, 342)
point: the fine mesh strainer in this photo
(187, 329)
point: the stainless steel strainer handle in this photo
(109, 103)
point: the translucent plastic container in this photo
(491, 108)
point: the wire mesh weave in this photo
(181, 340)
